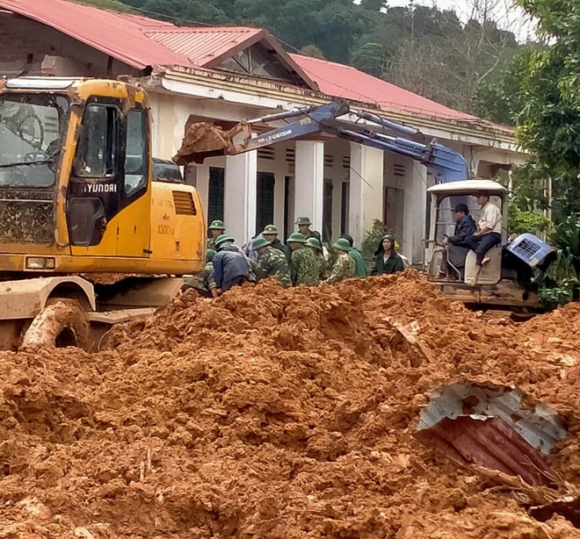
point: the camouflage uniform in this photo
(273, 263)
(252, 269)
(208, 277)
(304, 267)
(203, 282)
(277, 244)
(343, 269)
(322, 272)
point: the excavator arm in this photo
(204, 140)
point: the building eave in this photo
(266, 37)
(272, 95)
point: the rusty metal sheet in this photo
(116, 34)
(489, 442)
(495, 426)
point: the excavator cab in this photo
(507, 281)
(86, 215)
(77, 192)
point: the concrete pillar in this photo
(309, 182)
(366, 190)
(415, 212)
(202, 183)
(336, 201)
(240, 195)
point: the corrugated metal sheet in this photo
(350, 83)
(494, 426)
(489, 442)
(141, 42)
(202, 45)
(115, 34)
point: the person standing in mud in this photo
(360, 269)
(386, 258)
(314, 244)
(304, 263)
(216, 229)
(304, 224)
(270, 232)
(271, 263)
(344, 267)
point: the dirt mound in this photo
(270, 413)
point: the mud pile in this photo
(273, 413)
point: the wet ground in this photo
(272, 413)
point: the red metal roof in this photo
(141, 42)
(349, 83)
(202, 45)
(115, 34)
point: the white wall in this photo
(406, 176)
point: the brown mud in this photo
(272, 413)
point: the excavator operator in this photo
(488, 233)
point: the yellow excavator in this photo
(90, 234)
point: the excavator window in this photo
(31, 130)
(136, 152)
(97, 154)
(445, 222)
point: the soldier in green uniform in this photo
(225, 241)
(203, 282)
(304, 263)
(304, 225)
(216, 229)
(271, 262)
(360, 269)
(314, 244)
(344, 267)
(270, 232)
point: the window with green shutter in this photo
(327, 211)
(344, 205)
(264, 200)
(215, 194)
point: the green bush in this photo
(522, 221)
(560, 283)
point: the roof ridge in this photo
(199, 29)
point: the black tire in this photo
(63, 322)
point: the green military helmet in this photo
(217, 225)
(222, 239)
(303, 221)
(210, 253)
(259, 242)
(342, 244)
(270, 229)
(313, 242)
(296, 237)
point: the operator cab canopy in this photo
(468, 187)
(445, 196)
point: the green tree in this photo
(501, 99)
(373, 5)
(313, 51)
(549, 124)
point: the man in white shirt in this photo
(488, 233)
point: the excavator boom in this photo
(205, 140)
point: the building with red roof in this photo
(227, 74)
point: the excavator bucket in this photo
(204, 140)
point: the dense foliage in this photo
(423, 49)
(548, 121)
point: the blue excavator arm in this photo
(204, 140)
